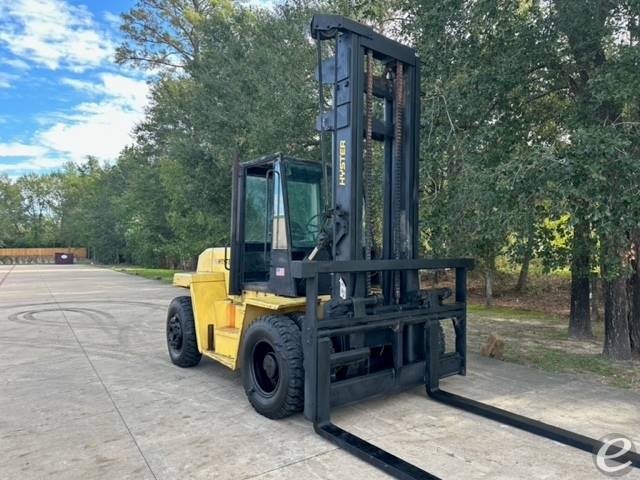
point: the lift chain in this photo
(368, 166)
(323, 152)
(397, 165)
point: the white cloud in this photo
(100, 128)
(128, 92)
(54, 34)
(15, 63)
(20, 150)
(112, 19)
(81, 85)
(269, 4)
(6, 79)
(31, 165)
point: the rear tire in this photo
(272, 367)
(298, 319)
(181, 333)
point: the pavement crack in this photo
(99, 377)
(280, 467)
(7, 274)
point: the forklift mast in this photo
(373, 342)
(368, 69)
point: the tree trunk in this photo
(634, 297)
(521, 286)
(617, 345)
(488, 282)
(580, 318)
(596, 300)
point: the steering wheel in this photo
(297, 231)
(312, 226)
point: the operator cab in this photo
(277, 219)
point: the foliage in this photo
(530, 114)
(12, 213)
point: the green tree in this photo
(143, 208)
(166, 33)
(251, 92)
(486, 96)
(599, 51)
(12, 215)
(536, 100)
(39, 198)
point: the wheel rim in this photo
(174, 334)
(265, 368)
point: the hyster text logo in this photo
(610, 458)
(342, 179)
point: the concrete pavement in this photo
(87, 391)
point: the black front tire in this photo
(181, 333)
(272, 367)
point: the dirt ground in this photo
(545, 293)
(543, 342)
(534, 325)
(549, 294)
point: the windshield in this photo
(305, 203)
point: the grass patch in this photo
(503, 312)
(555, 361)
(540, 340)
(163, 274)
(555, 334)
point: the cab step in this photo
(224, 341)
(225, 360)
(229, 332)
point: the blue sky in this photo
(61, 95)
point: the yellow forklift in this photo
(306, 303)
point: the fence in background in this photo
(38, 255)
